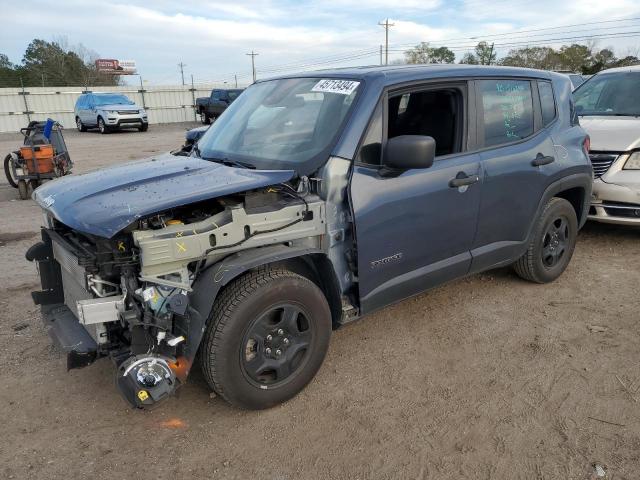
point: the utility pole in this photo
(182, 65)
(253, 64)
(235, 76)
(490, 53)
(386, 26)
(380, 54)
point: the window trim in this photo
(480, 112)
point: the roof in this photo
(393, 74)
(632, 68)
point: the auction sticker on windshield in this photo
(343, 87)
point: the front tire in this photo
(102, 127)
(204, 118)
(552, 245)
(266, 339)
(144, 127)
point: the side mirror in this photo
(410, 151)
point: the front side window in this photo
(435, 113)
(507, 111)
(610, 94)
(287, 123)
(371, 149)
(547, 102)
(215, 95)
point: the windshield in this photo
(281, 124)
(610, 94)
(109, 99)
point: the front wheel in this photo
(552, 245)
(204, 118)
(266, 339)
(102, 127)
(144, 127)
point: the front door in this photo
(414, 230)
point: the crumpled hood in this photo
(105, 201)
(612, 134)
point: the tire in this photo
(80, 126)
(31, 186)
(23, 190)
(102, 127)
(552, 245)
(9, 172)
(204, 118)
(144, 127)
(260, 307)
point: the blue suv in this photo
(314, 200)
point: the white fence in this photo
(165, 104)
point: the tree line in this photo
(585, 59)
(54, 64)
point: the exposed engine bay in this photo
(131, 293)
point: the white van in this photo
(608, 105)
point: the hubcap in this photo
(276, 345)
(555, 242)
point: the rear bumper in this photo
(69, 335)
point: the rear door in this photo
(414, 229)
(517, 155)
(88, 111)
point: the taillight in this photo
(586, 145)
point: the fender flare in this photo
(582, 180)
(213, 278)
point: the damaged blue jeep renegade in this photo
(313, 200)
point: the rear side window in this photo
(80, 102)
(507, 111)
(547, 102)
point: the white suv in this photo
(108, 112)
(609, 108)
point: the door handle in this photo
(462, 179)
(542, 160)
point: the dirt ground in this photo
(488, 377)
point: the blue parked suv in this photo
(313, 200)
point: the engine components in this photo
(145, 380)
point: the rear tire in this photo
(8, 171)
(266, 338)
(80, 126)
(552, 245)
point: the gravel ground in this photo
(488, 377)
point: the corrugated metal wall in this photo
(165, 104)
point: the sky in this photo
(212, 38)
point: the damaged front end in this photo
(131, 297)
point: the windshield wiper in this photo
(227, 162)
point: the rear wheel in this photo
(8, 171)
(80, 126)
(553, 243)
(266, 339)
